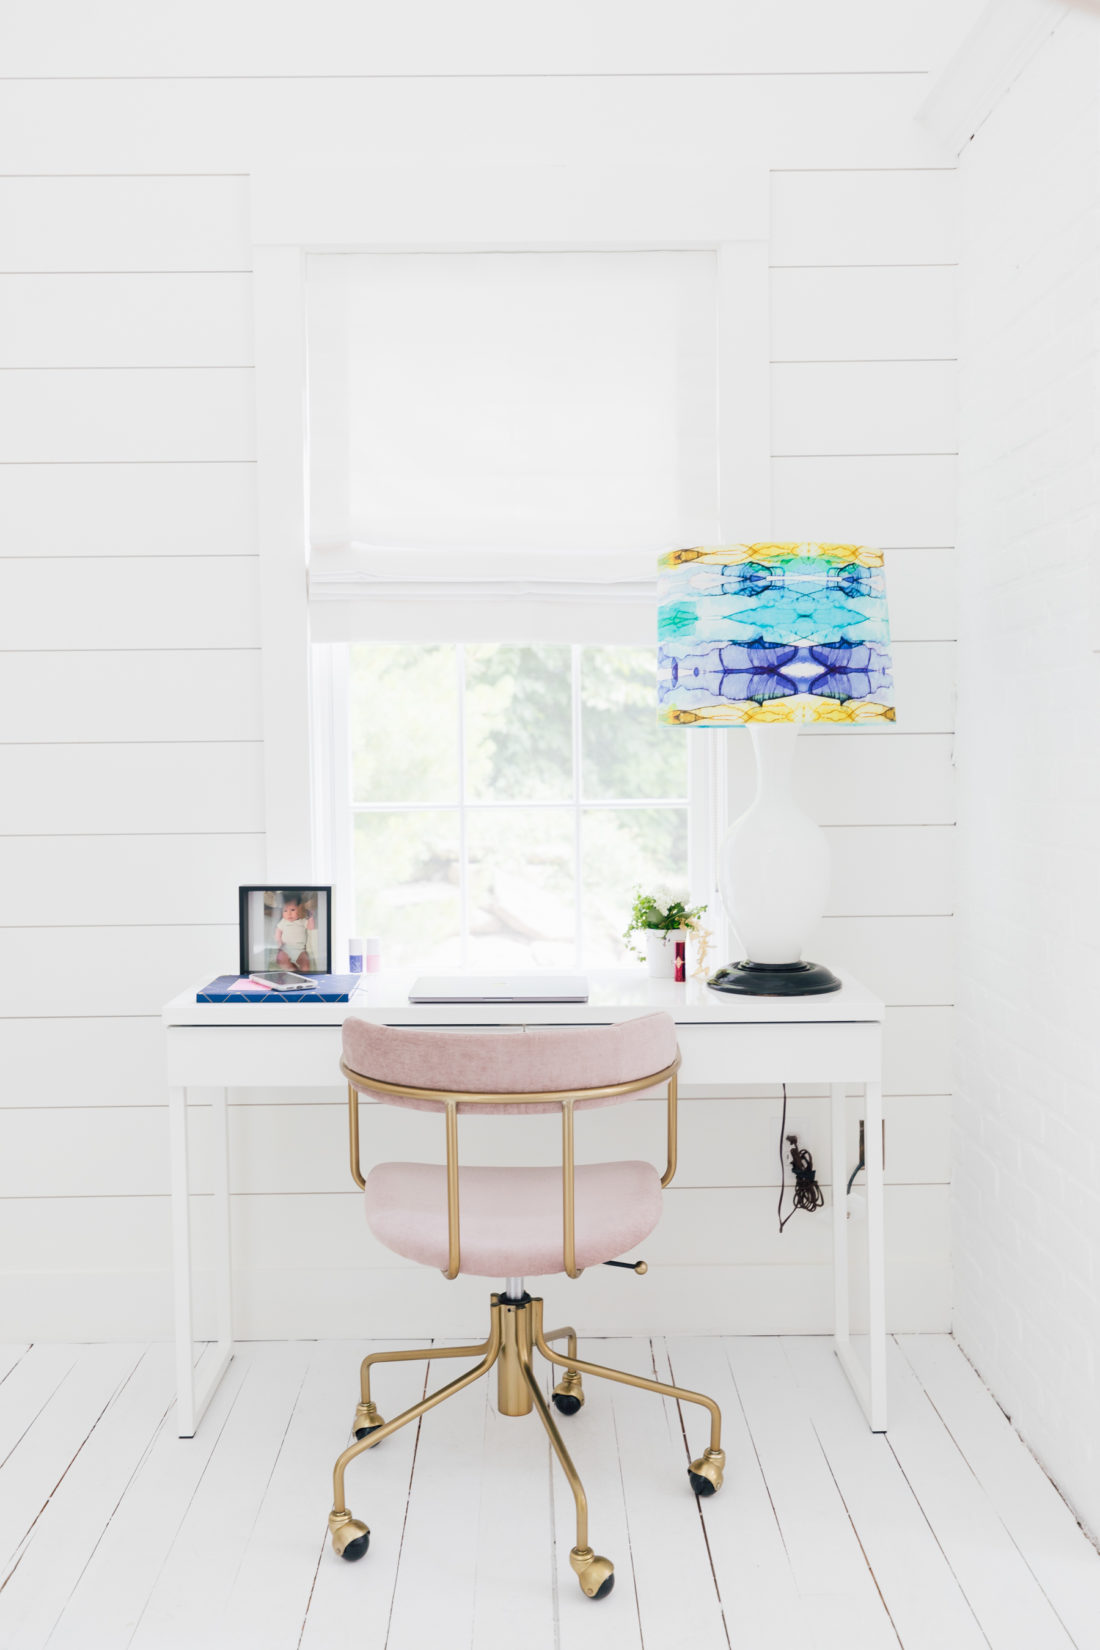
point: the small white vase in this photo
(660, 951)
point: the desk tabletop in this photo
(614, 994)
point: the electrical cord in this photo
(807, 1193)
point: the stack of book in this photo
(322, 988)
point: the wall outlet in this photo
(862, 1152)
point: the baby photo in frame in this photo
(287, 929)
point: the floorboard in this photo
(1042, 1527)
(265, 1608)
(591, 1438)
(121, 1536)
(10, 1355)
(927, 1606)
(28, 1387)
(71, 1524)
(350, 1604)
(840, 1597)
(214, 1533)
(678, 1600)
(747, 1552)
(1004, 1595)
(106, 1604)
(517, 1568)
(48, 1446)
(434, 1597)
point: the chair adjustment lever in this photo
(638, 1266)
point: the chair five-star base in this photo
(515, 1334)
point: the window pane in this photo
(519, 735)
(626, 751)
(622, 848)
(404, 723)
(522, 887)
(406, 886)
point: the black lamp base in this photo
(797, 979)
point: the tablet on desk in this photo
(499, 988)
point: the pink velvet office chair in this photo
(512, 1222)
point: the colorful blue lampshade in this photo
(773, 633)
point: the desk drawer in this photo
(308, 1056)
(834, 1052)
(254, 1056)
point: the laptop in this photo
(499, 988)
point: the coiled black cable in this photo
(807, 1193)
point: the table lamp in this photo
(770, 637)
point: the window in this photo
(504, 799)
(500, 444)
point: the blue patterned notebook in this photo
(233, 988)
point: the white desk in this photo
(834, 1040)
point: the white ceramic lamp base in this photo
(774, 879)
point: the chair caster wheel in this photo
(350, 1538)
(705, 1474)
(595, 1574)
(367, 1420)
(568, 1396)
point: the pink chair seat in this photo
(512, 1218)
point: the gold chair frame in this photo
(515, 1326)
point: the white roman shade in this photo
(501, 442)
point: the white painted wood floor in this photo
(944, 1535)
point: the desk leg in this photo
(191, 1401)
(181, 1262)
(876, 1260)
(868, 1384)
(838, 1171)
(223, 1239)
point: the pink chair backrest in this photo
(512, 1060)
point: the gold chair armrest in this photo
(353, 1135)
(673, 1088)
(568, 1191)
(453, 1246)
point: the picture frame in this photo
(287, 928)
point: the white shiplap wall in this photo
(132, 802)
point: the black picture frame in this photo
(253, 950)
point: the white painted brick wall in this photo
(1026, 1198)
